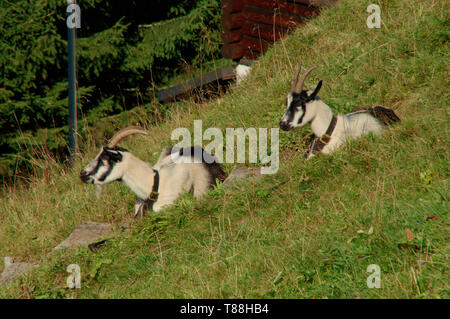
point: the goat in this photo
(157, 186)
(330, 131)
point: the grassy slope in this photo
(293, 234)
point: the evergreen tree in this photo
(113, 54)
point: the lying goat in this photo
(175, 172)
(330, 131)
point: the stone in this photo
(13, 270)
(241, 172)
(86, 234)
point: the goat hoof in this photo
(139, 214)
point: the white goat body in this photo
(177, 171)
(352, 125)
(306, 107)
(177, 177)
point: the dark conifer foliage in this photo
(115, 56)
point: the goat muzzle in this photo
(284, 126)
(84, 177)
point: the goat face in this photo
(108, 166)
(299, 108)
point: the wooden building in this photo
(251, 26)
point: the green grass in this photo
(309, 231)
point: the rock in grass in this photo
(241, 172)
(86, 234)
(14, 270)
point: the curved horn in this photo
(297, 85)
(295, 80)
(124, 133)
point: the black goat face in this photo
(297, 108)
(105, 168)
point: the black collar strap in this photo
(153, 197)
(320, 142)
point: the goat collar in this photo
(153, 197)
(320, 142)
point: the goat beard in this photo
(98, 191)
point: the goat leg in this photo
(139, 208)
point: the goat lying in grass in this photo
(178, 170)
(330, 131)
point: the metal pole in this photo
(72, 64)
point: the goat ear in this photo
(316, 90)
(113, 155)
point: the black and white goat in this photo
(175, 172)
(330, 131)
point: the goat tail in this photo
(213, 167)
(386, 116)
(215, 172)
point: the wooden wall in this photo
(251, 26)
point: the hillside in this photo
(309, 231)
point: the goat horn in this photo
(297, 85)
(294, 82)
(124, 133)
